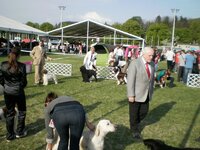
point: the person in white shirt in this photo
(89, 65)
(170, 59)
(90, 59)
(120, 53)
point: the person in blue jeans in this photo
(66, 114)
(189, 61)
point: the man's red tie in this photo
(148, 71)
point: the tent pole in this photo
(114, 37)
(87, 36)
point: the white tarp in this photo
(10, 25)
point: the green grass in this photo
(173, 115)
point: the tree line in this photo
(156, 33)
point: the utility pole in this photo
(62, 8)
(174, 11)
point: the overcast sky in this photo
(110, 11)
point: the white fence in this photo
(59, 69)
(105, 72)
(193, 80)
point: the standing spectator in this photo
(189, 61)
(120, 53)
(181, 66)
(170, 59)
(195, 64)
(66, 114)
(140, 83)
(130, 54)
(177, 54)
(198, 61)
(115, 52)
(156, 58)
(38, 54)
(13, 79)
(80, 48)
(111, 59)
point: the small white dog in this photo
(95, 140)
(48, 77)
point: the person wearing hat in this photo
(13, 79)
(39, 55)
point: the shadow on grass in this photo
(187, 134)
(157, 113)
(121, 103)
(120, 139)
(2, 102)
(89, 108)
(35, 127)
(33, 95)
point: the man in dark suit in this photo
(140, 81)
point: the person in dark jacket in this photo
(13, 79)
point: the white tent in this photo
(10, 25)
(89, 29)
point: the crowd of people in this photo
(141, 68)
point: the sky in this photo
(110, 11)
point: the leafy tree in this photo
(156, 33)
(138, 19)
(195, 30)
(133, 27)
(34, 25)
(166, 20)
(158, 19)
(182, 23)
(46, 27)
(184, 35)
(117, 26)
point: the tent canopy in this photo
(91, 29)
(10, 25)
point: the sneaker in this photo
(9, 140)
(21, 135)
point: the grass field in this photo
(174, 114)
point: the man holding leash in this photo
(140, 83)
(39, 55)
(89, 63)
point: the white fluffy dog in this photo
(95, 140)
(48, 77)
(91, 140)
